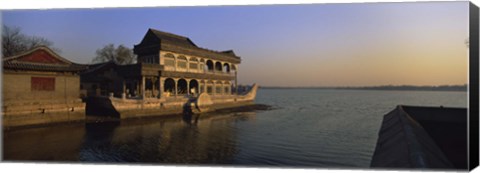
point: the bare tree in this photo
(120, 54)
(15, 42)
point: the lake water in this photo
(307, 127)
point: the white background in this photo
(84, 168)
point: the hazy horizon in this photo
(371, 86)
(320, 45)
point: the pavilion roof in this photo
(41, 58)
(181, 44)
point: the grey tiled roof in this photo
(12, 63)
(173, 38)
(181, 44)
(42, 67)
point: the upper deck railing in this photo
(214, 72)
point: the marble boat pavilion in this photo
(168, 65)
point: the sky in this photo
(356, 44)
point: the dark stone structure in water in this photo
(423, 137)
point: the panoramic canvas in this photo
(356, 85)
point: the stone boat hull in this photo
(136, 108)
(31, 113)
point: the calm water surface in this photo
(308, 127)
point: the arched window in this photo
(169, 60)
(169, 85)
(218, 66)
(182, 62)
(209, 65)
(226, 68)
(182, 86)
(193, 64)
(194, 87)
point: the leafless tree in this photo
(15, 42)
(120, 54)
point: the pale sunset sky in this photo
(356, 44)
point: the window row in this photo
(182, 86)
(197, 64)
(151, 59)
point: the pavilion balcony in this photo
(210, 72)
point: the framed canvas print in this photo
(361, 86)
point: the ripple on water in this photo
(321, 128)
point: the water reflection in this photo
(307, 127)
(209, 138)
(56, 143)
(188, 113)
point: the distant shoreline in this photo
(384, 88)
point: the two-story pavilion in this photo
(169, 65)
(187, 68)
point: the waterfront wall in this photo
(30, 102)
(129, 108)
(17, 87)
